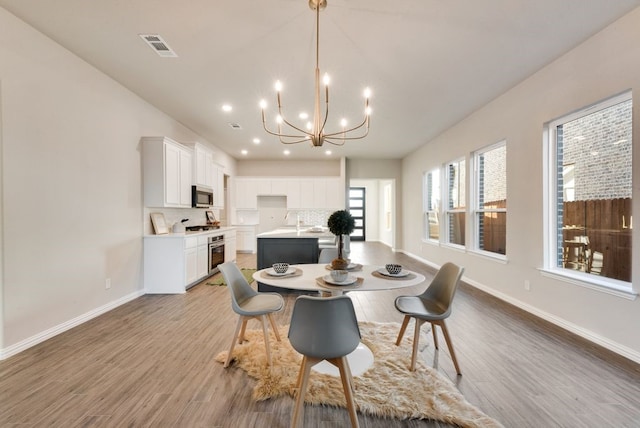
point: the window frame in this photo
(445, 236)
(475, 209)
(426, 211)
(550, 208)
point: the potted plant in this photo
(341, 223)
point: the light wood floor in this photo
(150, 363)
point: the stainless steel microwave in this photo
(201, 197)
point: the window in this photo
(431, 201)
(455, 211)
(589, 191)
(490, 218)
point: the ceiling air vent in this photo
(235, 125)
(158, 45)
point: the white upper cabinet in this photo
(301, 192)
(246, 193)
(203, 166)
(167, 173)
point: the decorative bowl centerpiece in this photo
(393, 269)
(280, 267)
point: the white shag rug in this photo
(388, 389)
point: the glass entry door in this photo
(357, 210)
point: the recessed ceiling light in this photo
(286, 152)
(226, 107)
(256, 141)
(244, 152)
(328, 152)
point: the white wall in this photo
(604, 65)
(72, 192)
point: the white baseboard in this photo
(67, 325)
(589, 335)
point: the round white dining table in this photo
(308, 277)
(372, 279)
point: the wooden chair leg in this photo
(450, 345)
(416, 339)
(348, 368)
(274, 326)
(233, 341)
(265, 330)
(244, 328)
(405, 321)
(345, 376)
(435, 335)
(297, 420)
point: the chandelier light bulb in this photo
(343, 122)
(309, 126)
(263, 104)
(279, 119)
(326, 79)
(367, 93)
(303, 116)
(278, 85)
(368, 111)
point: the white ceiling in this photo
(429, 63)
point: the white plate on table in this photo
(272, 272)
(350, 280)
(385, 272)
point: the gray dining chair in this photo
(324, 329)
(327, 255)
(250, 304)
(433, 306)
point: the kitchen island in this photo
(290, 245)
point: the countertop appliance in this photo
(201, 197)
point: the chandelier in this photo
(315, 131)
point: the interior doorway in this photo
(357, 208)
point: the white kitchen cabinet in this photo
(293, 194)
(279, 186)
(203, 256)
(307, 198)
(203, 174)
(174, 262)
(166, 173)
(246, 239)
(230, 246)
(246, 193)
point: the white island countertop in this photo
(291, 232)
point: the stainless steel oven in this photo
(216, 252)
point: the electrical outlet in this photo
(527, 285)
(107, 283)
